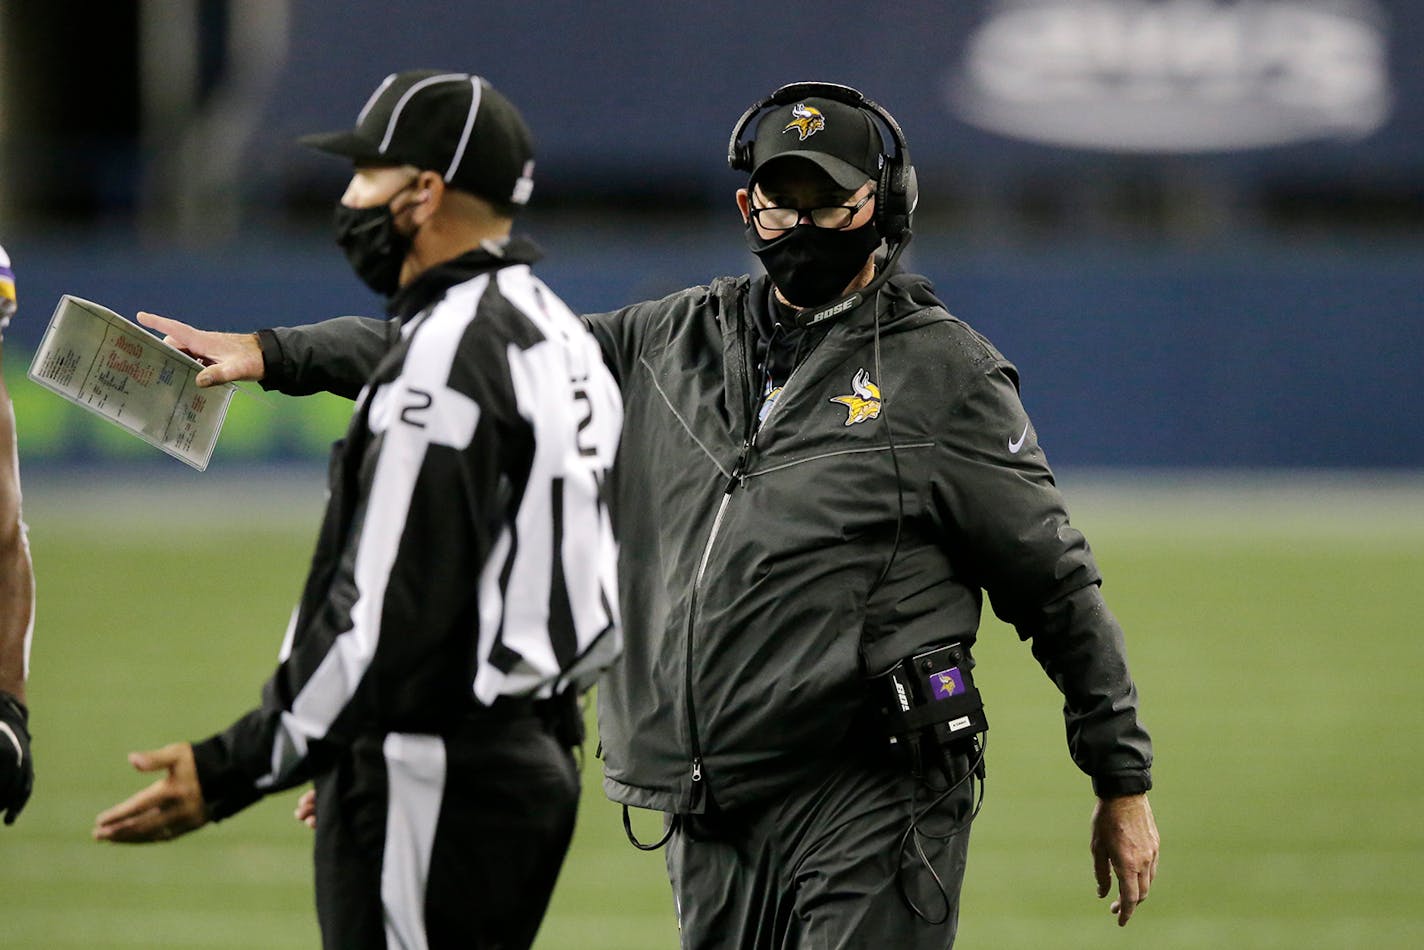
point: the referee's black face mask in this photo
(374, 246)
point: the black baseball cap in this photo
(839, 138)
(455, 124)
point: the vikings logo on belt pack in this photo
(946, 683)
(864, 400)
(806, 120)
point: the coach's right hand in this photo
(170, 807)
(229, 357)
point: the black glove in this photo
(17, 768)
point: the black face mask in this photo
(373, 246)
(812, 265)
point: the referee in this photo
(462, 590)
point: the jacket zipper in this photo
(692, 735)
(733, 481)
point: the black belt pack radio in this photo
(931, 696)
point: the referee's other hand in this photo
(170, 807)
(306, 808)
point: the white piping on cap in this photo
(374, 96)
(405, 97)
(469, 124)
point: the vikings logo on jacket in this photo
(864, 402)
(806, 120)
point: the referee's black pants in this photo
(454, 840)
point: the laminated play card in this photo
(97, 359)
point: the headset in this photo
(897, 191)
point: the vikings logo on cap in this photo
(864, 402)
(806, 120)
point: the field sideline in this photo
(1273, 625)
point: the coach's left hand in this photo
(1124, 841)
(170, 807)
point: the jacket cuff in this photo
(226, 791)
(274, 366)
(1118, 784)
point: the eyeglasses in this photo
(833, 217)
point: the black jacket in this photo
(748, 570)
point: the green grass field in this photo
(1275, 633)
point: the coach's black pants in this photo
(823, 867)
(431, 841)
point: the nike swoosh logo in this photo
(1015, 445)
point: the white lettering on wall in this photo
(1175, 75)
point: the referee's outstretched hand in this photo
(229, 357)
(170, 807)
(1125, 844)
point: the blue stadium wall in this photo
(1248, 357)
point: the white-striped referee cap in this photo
(452, 123)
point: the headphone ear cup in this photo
(893, 216)
(744, 157)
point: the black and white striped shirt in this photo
(466, 553)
